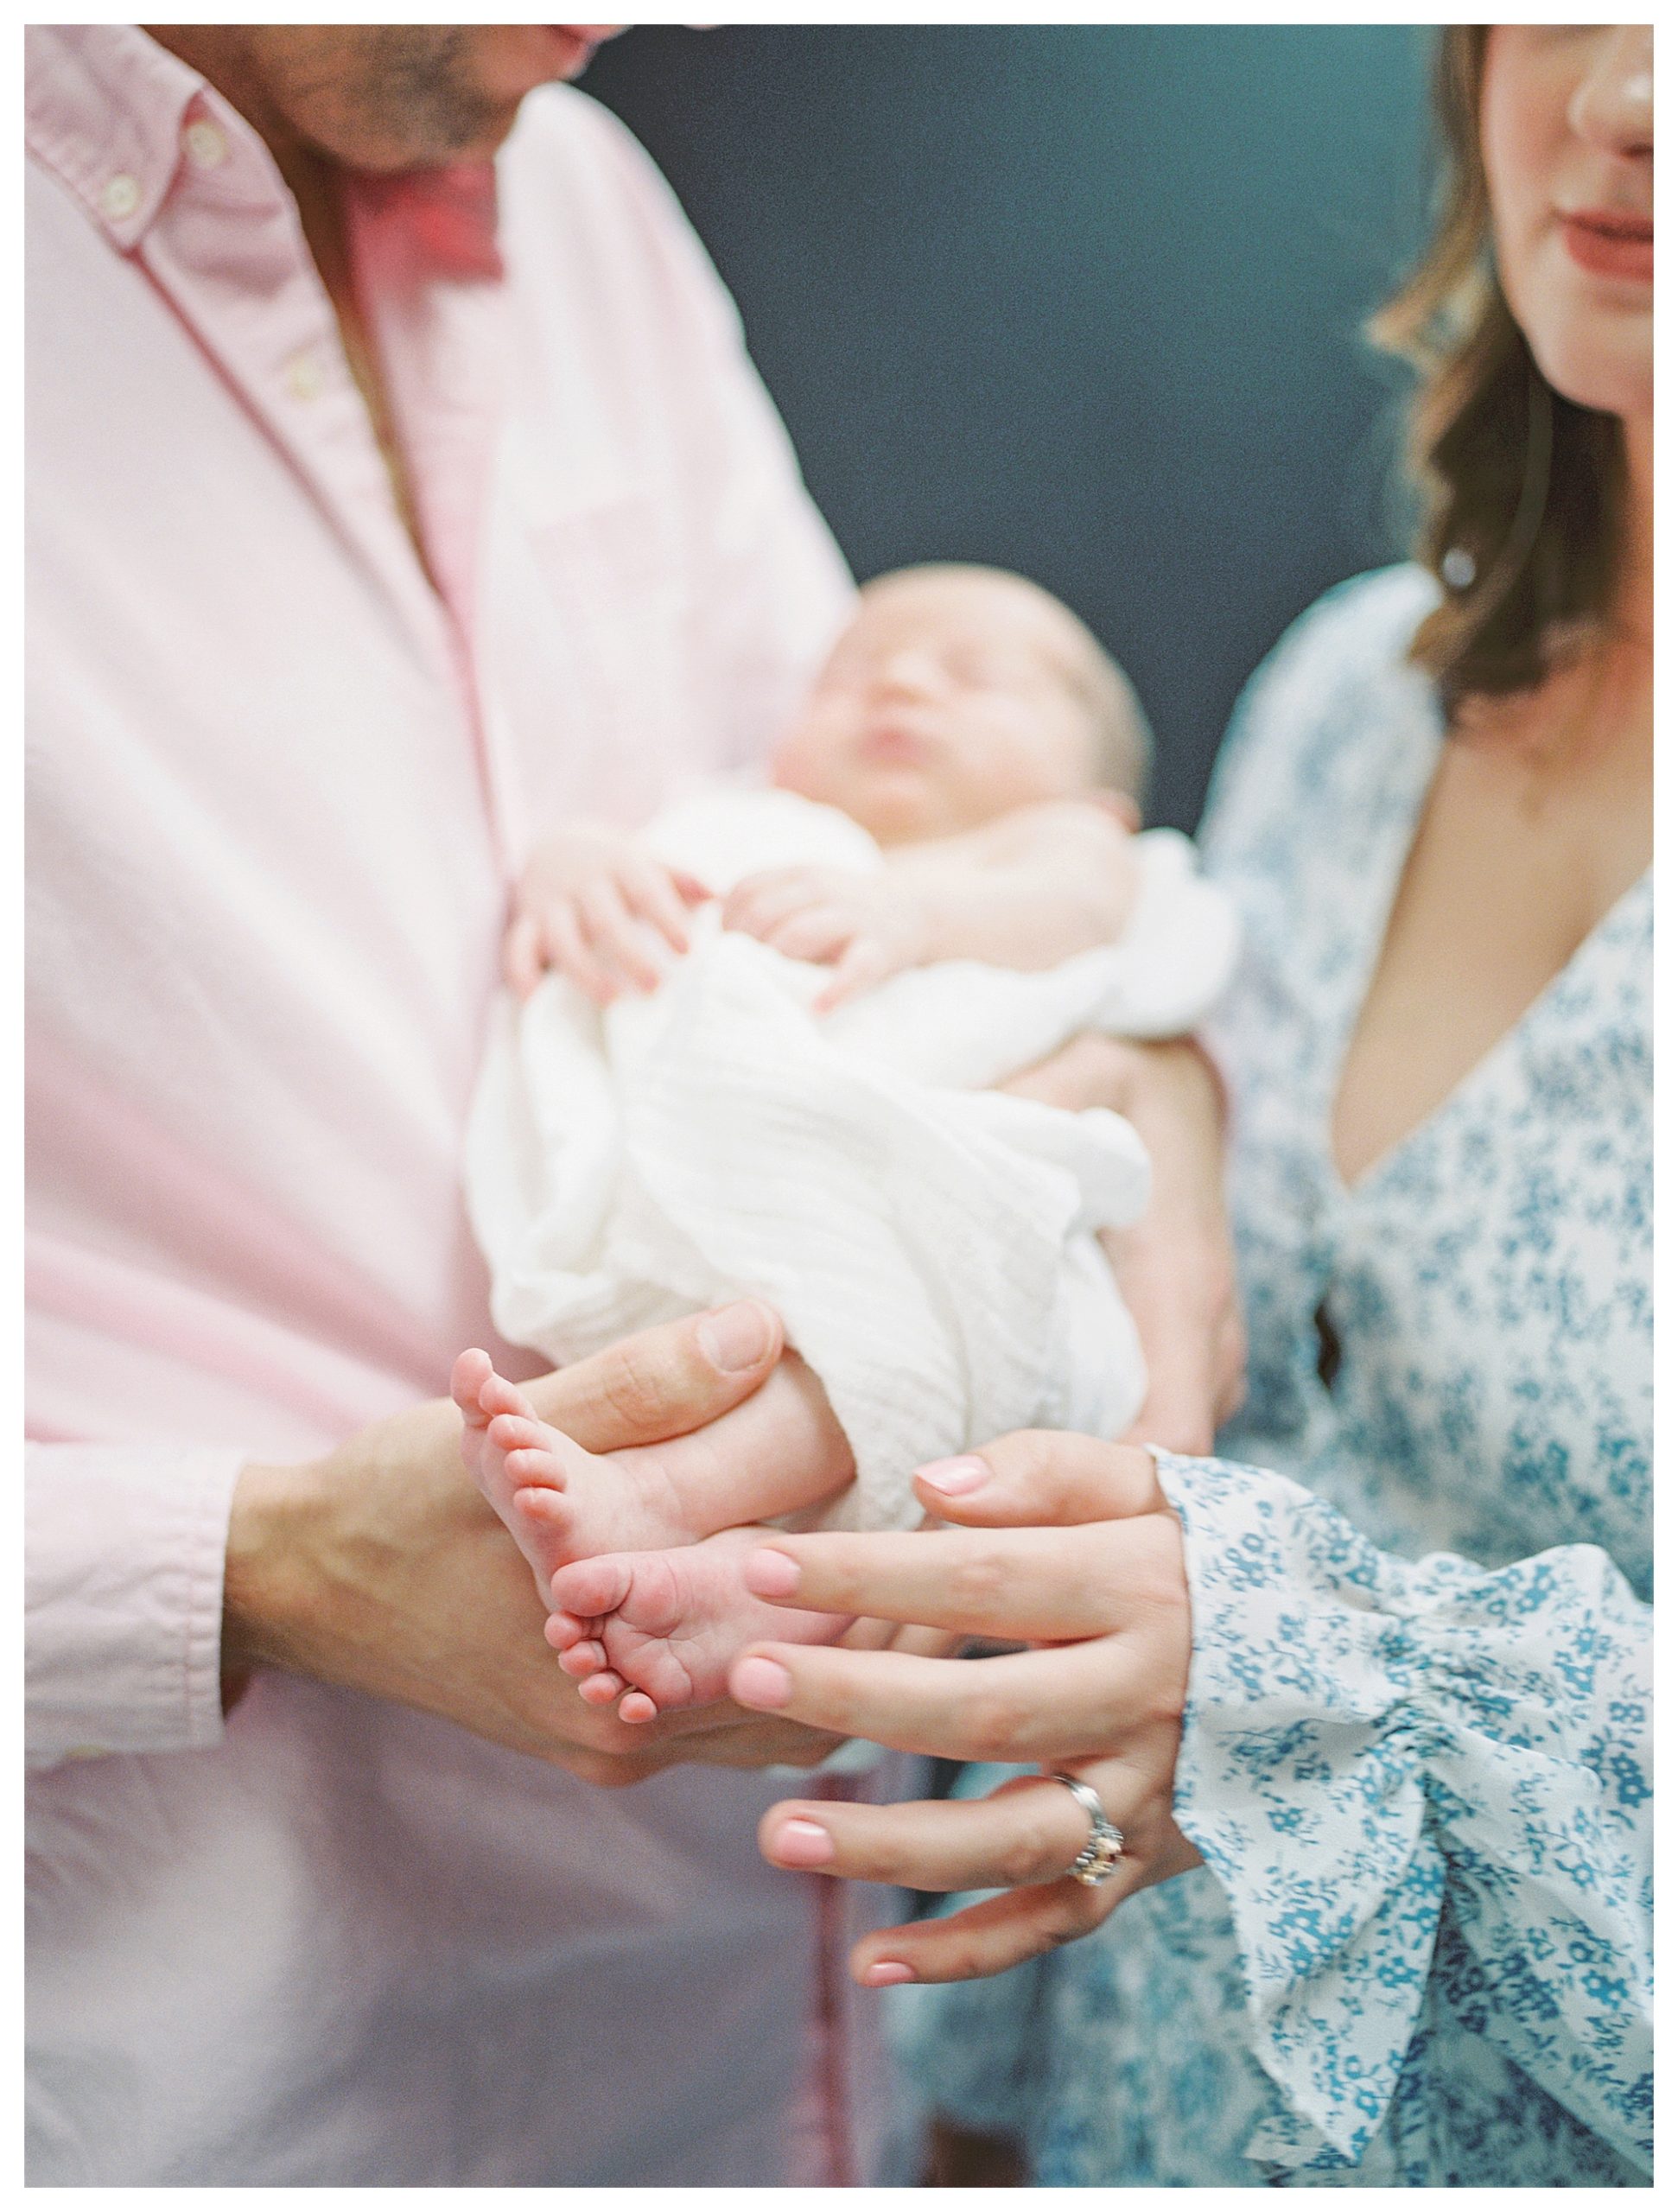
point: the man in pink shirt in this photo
(391, 491)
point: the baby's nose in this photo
(910, 671)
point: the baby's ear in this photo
(1120, 805)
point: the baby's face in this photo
(948, 700)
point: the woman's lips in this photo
(1611, 244)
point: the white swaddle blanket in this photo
(930, 1243)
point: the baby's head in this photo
(957, 694)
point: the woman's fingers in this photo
(1043, 1477)
(1026, 1831)
(1020, 1585)
(990, 1938)
(1032, 1707)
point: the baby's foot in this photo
(559, 1502)
(658, 1630)
(777, 1451)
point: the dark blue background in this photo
(1083, 301)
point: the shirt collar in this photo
(106, 108)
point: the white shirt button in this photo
(303, 379)
(120, 198)
(206, 147)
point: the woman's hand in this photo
(1066, 1545)
(381, 1568)
(1176, 1266)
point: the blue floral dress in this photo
(1416, 1755)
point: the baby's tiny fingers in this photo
(651, 892)
(863, 964)
(523, 955)
(562, 929)
(613, 937)
(817, 933)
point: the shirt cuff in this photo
(125, 1556)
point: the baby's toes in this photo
(600, 1689)
(498, 1396)
(592, 1586)
(520, 1432)
(471, 1371)
(637, 1708)
(534, 1469)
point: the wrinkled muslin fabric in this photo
(715, 1138)
(1416, 1757)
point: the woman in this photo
(1405, 1797)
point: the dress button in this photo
(120, 198)
(206, 147)
(85, 1752)
(303, 379)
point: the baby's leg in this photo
(659, 1630)
(778, 1451)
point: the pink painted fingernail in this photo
(802, 1843)
(884, 1972)
(954, 1478)
(771, 1574)
(760, 1683)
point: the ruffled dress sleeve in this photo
(1373, 1744)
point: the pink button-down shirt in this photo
(277, 777)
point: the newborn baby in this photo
(753, 1056)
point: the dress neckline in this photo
(1395, 829)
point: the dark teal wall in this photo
(1083, 301)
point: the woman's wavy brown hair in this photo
(1522, 492)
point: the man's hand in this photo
(862, 924)
(381, 1568)
(598, 907)
(1176, 1266)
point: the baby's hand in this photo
(586, 903)
(866, 927)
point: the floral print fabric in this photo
(1416, 1755)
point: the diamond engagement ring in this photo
(1100, 1856)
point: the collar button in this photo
(206, 148)
(120, 198)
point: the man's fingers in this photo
(1030, 1708)
(1040, 1477)
(1020, 1585)
(1026, 1832)
(663, 1383)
